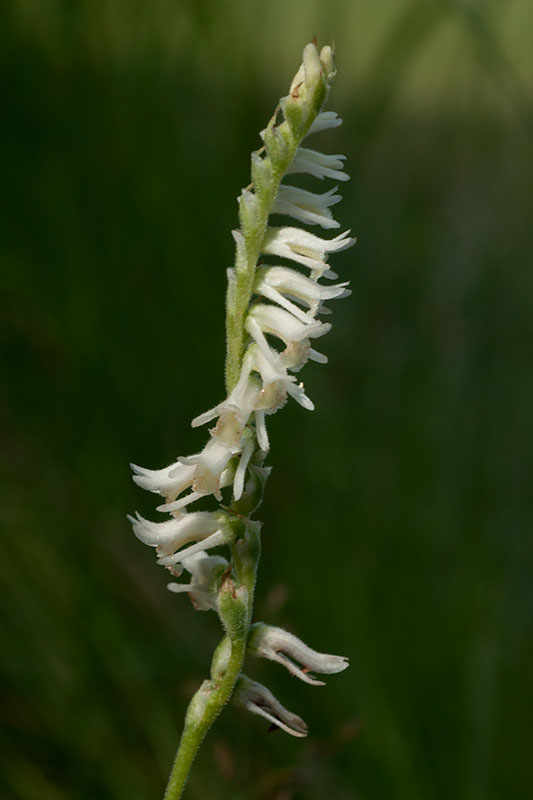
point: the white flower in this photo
(169, 482)
(210, 529)
(283, 324)
(280, 283)
(277, 383)
(279, 645)
(295, 334)
(304, 247)
(323, 121)
(259, 700)
(204, 570)
(318, 164)
(308, 207)
(239, 402)
(210, 464)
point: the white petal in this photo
(320, 358)
(318, 164)
(238, 484)
(259, 700)
(293, 284)
(177, 505)
(173, 533)
(303, 247)
(214, 540)
(309, 208)
(284, 325)
(297, 391)
(323, 121)
(169, 481)
(261, 431)
(272, 294)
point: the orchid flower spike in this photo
(275, 298)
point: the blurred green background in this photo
(398, 517)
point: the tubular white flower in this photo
(211, 463)
(172, 534)
(279, 645)
(318, 164)
(283, 324)
(277, 383)
(280, 283)
(308, 207)
(221, 537)
(169, 482)
(304, 247)
(259, 700)
(204, 569)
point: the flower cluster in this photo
(276, 296)
(285, 307)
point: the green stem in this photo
(194, 733)
(213, 695)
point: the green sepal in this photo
(249, 213)
(233, 607)
(220, 661)
(262, 177)
(293, 113)
(198, 704)
(241, 257)
(247, 551)
(278, 144)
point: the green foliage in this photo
(124, 131)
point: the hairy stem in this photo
(195, 731)
(213, 695)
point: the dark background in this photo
(398, 517)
